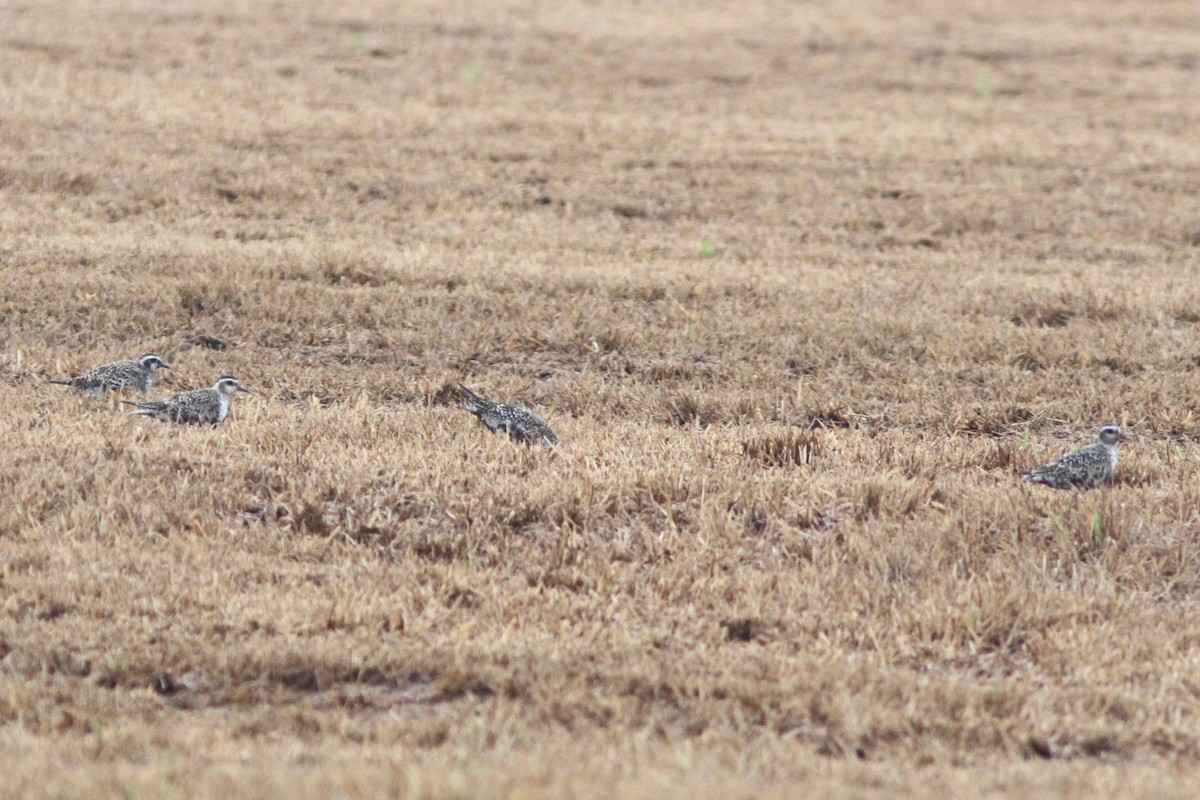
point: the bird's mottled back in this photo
(1085, 468)
(118, 375)
(519, 423)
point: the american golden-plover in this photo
(197, 407)
(118, 375)
(519, 423)
(1085, 468)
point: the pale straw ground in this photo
(802, 288)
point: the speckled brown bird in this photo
(519, 423)
(197, 407)
(1085, 468)
(138, 374)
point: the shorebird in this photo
(197, 407)
(1085, 468)
(117, 376)
(519, 423)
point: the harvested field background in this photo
(802, 288)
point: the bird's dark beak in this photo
(244, 389)
(163, 366)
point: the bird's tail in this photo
(471, 401)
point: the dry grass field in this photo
(802, 288)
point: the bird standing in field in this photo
(519, 423)
(118, 375)
(1085, 468)
(197, 407)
